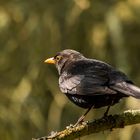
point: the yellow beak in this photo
(50, 61)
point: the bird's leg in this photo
(106, 112)
(82, 117)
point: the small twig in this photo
(107, 123)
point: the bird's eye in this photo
(58, 58)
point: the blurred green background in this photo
(31, 104)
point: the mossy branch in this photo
(108, 123)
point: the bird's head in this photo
(63, 58)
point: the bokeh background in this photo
(31, 104)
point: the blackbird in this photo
(90, 83)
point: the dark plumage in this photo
(90, 82)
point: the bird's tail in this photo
(127, 89)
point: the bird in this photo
(91, 83)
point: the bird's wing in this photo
(120, 83)
(93, 77)
(87, 78)
(127, 89)
(69, 84)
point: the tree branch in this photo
(108, 123)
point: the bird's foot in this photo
(53, 134)
(77, 123)
(70, 126)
